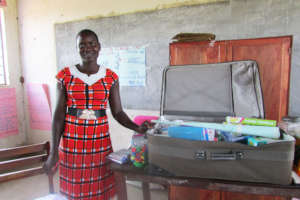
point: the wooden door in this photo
(241, 196)
(186, 53)
(273, 57)
(184, 193)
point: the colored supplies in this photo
(250, 121)
(121, 156)
(263, 131)
(255, 142)
(138, 150)
(192, 133)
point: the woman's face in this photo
(88, 47)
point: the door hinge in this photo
(22, 80)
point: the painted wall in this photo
(12, 55)
(36, 22)
(37, 19)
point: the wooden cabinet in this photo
(273, 56)
(241, 196)
(184, 193)
(185, 53)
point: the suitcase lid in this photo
(210, 92)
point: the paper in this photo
(46, 90)
(8, 112)
(127, 62)
(39, 107)
(3, 3)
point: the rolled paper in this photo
(251, 121)
(263, 131)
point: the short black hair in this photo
(87, 32)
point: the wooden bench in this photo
(24, 161)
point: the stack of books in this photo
(121, 156)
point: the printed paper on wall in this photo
(8, 112)
(39, 106)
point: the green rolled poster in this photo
(250, 121)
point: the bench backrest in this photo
(24, 161)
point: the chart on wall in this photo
(39, 106)
(127, 62)
(8, 110)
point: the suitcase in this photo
(209, 93)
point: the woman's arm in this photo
(58, 125)
(119, 114)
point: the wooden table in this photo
(151, 174)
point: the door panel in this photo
(241, 196)
(188, 193)
(186, 53)
(273, 58)
(272, 54)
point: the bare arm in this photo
(119, 114)
(58, 125)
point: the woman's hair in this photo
(87, 32)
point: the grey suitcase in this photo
(209, 93)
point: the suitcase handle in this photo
(226, 156)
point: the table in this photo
(151, 174)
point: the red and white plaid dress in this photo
(84, 172)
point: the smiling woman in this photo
(81, 126)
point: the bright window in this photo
(3, 71)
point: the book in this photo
(121, 156)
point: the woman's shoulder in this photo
(65, 70)
(63, 73)
(111, 75)
(110, 71)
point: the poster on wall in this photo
(8, 110)
(39, 106)
(2, 3)
(128, 62)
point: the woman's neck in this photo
(88, 67)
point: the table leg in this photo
(146, 191)
(51, 185)
(121, 186)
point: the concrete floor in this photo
(37, 186)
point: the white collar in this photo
(90, 80)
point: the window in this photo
(3, 70)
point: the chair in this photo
(24, 161)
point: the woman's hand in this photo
(144, 127)
(50, 165)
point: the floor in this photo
(37, 186)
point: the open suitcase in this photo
(210, 93)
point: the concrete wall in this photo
(36, 22)
(12, 57)
(37, 19)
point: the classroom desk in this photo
(150, 174)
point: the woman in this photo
(80, 120)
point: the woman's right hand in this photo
(50, 165)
